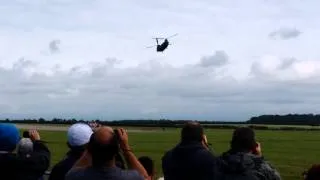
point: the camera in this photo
(116, 134)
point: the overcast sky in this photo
(87, 59)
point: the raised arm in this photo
(131, 159)
(39, 160)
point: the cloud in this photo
(54, 46)
(285, 33)
(283, 68)
(158, 90)
(220, 58)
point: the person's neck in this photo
(189, 142)
(239, 151)
(76, 152)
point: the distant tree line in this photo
(140, 123)
(289, 119)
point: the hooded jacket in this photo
(236, 165)
(188, 161)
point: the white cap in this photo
(79, 134)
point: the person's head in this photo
(243, 140)
(103, 147)
(313, 173)
(25, 147)
(148, 165)
(192, 132)
(9, 137)
(26, 134)
(78, 136)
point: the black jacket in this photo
(60, 170)
(188, 162)
(13, 167)
(235, 164)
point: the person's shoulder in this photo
(131, 174)
(58, 166)
(167, 154)
(8, 156)
(66, 163)
(8, 160)
(74, 173)
(262, 163)
(205, 154)
(268, 169)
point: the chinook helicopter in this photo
(164, 45)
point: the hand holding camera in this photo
(205, 141)
(32, 134)
(257, 150)
(123, 139)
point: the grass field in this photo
(289, 151)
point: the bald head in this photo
(103, 146)
(191, 132)
(103, 135)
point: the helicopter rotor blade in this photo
(166, 38)
(172, 36)
(151, 46)
(157, 38)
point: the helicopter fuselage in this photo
(163, 46)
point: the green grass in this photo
(289, 151)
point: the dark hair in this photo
(243, 139)
(26, 134)
(148, 164)
(192, 131)
(77, 149)
(313, 173)
(102, 152)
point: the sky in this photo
(231, 60)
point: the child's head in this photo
(313, 173)
(25, 147)
(148, 164)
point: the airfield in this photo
(64, 128)
(291, 152)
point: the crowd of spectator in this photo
(100, 153)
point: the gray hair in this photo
(25, 147)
